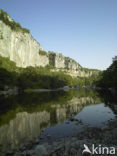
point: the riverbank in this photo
(9, 91)
(72, 146)
(15, 90)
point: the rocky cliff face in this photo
(25, 51)
(20, 48)
(69, 66)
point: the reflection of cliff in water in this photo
(73, 106)
(27, 122)
(23, 127)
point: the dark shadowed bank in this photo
(108, 78)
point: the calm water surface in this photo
(50, 116)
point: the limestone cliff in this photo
(18, 44)
(69, 66)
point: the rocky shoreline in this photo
(72, 146)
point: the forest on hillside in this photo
(37, 77)
(108, 78)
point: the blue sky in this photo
(85, 30)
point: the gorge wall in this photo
(24, 50)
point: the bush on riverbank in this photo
(108, 78)
(37, 77)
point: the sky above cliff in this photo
(85, 30)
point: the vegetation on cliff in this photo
(108, 78)
(43, 52)
(37, 77)
(11, 23)
(51, 56)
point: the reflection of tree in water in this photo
(25, 116)
(37, 102)
(109, 99)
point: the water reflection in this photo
(109, 99)
(22, 118)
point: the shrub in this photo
(108, 78)
(11, 23)
(42, 52)
(51, 58)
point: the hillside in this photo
(19, 46)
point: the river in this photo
(48, 116)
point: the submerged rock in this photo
(40, 150)
(66, 88)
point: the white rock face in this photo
(43, 60)
(24, 50)
(69, 66)
(19, 47)
(59, 61)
